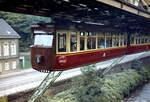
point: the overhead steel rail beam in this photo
(108, 13)
(121, 4)
(43, 7)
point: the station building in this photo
(9, 48)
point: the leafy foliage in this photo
(21, 24)
(90, 87)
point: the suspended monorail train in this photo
(58, 49)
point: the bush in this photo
(91, 87)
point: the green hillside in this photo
(21, 24)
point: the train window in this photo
(116, 41)
(101, 42)
(43, 40)
(108, 42)
(61, 42)
(132, 40)
(137, 40)
(73, 41)
(82, 40)
(91, 41)
(125, 40)
(146, 40)
(142, 40)
(121, 40)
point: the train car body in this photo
(63, 49)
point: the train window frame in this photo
(57, 41)
(132, 42)
(91, 36)
(122, 40)
(75, 43)
(125, 37)
(43, 40)
(108, 35)
(84, 40)
(116, 40)
(101, 36)
(142, 40)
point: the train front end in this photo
(43, 49)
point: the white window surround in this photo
(6, 49)
(1, 68)
(14, 64)
(0, 50)
(13, 48)
(6, 65)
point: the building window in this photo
(73, 41)
(61, 42)
(14, 64)
(6, 49)
(6, 66)
(13, 49)
(0, 50)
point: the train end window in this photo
(43, 40)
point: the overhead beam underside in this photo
(107, 12)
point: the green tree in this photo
(21, 23)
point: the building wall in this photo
(9, 65)
(9, 55)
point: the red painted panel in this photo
(68, 61)
(88, 58)
(138, 48)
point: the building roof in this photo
(6, 31)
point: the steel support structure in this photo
(46, 83)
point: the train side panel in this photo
(83, 58)
(138, 48)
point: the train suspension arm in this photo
(116, 62)
(45, 84)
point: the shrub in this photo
(91, 87)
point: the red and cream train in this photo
(63, 49)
